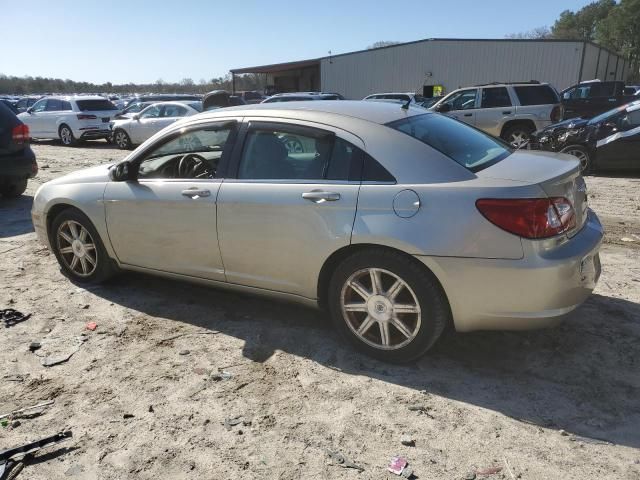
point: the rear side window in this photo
(536, 95)
(95, 105)
(495, 97)
(66, 105)
(469, 147)
(298, 154)
(53, 105)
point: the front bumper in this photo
(533, 292)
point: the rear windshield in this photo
(536, 95)
(95, 105)
(469, 147)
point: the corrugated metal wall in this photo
(456, 63)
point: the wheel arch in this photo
(512, 123)
(338, 256)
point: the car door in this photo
(35, 120)
(50, 116)
(463, 105)
(166, 220)
(496, 108)
(619, 146)
(144, 126)
(291, 204)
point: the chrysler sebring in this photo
(397, 221)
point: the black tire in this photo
(14, 189)
(582, 154)
(104, 266)
(434, 315)
(66, 136)
(518, 134)
(122, 139)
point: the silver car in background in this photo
(397, 221)
(128, 132)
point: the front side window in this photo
(151, 112)
(53, 105)
(39, 106)
(462, 100)
(495, 97)
(469, 147)
(173, 111)
(307, 154)
(192, 154)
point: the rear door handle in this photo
(195, 193)
(507, 112)
(468, 114)
(319, 196)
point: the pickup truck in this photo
(591, 98)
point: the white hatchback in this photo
(70, 118)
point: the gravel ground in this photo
(147, 394)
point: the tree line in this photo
(613, 25)
(13, 85)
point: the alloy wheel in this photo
(380, 308)
(518, 139)
(580, 155)
(121, 139)
(77, 248)
(66, 135)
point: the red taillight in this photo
(20, 134)
(82, 116)
(529, 217)
(556, 114)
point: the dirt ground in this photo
(148, 392)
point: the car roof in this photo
(392, 93)
(172, 102)
(376, 112)
(76, 97)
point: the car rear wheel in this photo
(122, 140)
(518, 135)
(387, 305)
(14, 189)
(78, 248)
(582, 155)
(66, 136)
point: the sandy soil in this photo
(144, 398)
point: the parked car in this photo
(71, 119)
(221, 99)
(401, 97)
(631, 90)
(25, 102)
(135, 130)
(250, 97)
(591, 98)
(302, 96)
(132, 109)
(17, 160)
(609, 141)
(399, 222)
(510, 111)
(10, 105)
(162, 97)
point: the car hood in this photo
(531, 166)
(97, 174)
(573, 123)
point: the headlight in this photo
(564, 136)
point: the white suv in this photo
(70, 118)
(511, 111)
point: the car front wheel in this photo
(387, 305)
(78, 248)
(582, 154)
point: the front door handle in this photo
(320, 196)
(468, 114)
(195, 193)
(507, 112)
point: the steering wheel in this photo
(193, 165)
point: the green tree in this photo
(583, 24)
(620, 32)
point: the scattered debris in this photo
(627, 239)
(343, 461)
(33, 346)
(91, 326)
(151, 410)
(421, 409)
(216, 377)
(15, 424)
(407, 441)
(508, 468)
(12, 317)
(470, 476)
(488, 471)
(563, 433)
(27, 411)
(184, 352)
(165, 340)
(128, 415)
(9, 466)
(397, 465)
(229, 423)
(57, 359)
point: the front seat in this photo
(266, 158)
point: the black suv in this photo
(608, 141)
(17, 160)
(588, 99)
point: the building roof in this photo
(278, 67)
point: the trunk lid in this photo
(558, 175)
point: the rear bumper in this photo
(17, 167)
(104, 132)
(534, 292)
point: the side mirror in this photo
(136, 117)
(443, 108)
(29, 110)
(122, 172)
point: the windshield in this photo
(609, 113)
(469, 147)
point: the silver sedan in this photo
(397, 221)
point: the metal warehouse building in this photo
(452, 63)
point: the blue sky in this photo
(136, 41)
